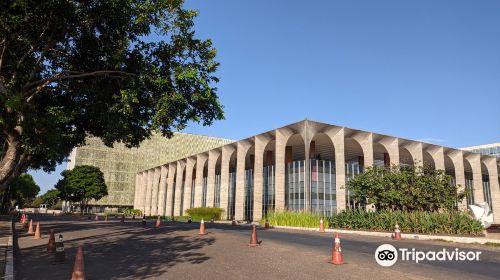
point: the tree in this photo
(22, 192)
(51, 197)
(406, 188)
(82, 184)
(114, 69)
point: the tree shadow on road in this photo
(119, 251)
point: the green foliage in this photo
(450, 222)
(82, 184)
(132, 212)
(405, 188)
(205, 213)
(23, 191)
(294, 219)
(36, 202)
(51, 197)
(115, 69)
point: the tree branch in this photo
(4, 47)
(41, 84)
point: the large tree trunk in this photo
(14, 161)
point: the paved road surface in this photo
(175, 251)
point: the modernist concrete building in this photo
(487, 149)
(120, 164)
(302, 166)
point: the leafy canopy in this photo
(51, 197)
(24, 190)
(82, 184)
(115, 69)
(406, 188)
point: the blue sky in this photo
(427, 70)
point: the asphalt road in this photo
(175, 251)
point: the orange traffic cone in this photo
(37, 232)
(253, 239)
(397, 233)
(202, 228)
(321, 226)
(79, 268)
(337, 257)
(30, 227)
(266, 225)
(158, 222)
(51, 247)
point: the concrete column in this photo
(154, 191)
(170, 189)
(282, 135)
(241, 152)
(416, 151)
(136, 189)
(365, 140)
(491, 165)
(188, 183)
(227, 152)
(213, 156)
(457, 158)
(391, 144)
(337, 136)
(258, 175)
(475, 162)
(149, 191)
(179, 184)
(437, 154)
(142, 195)
(162, 190)
(198, 193)
(139, 204)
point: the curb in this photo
(456, 239)
(9, 259)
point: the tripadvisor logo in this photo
(387, 255)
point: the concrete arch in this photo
(391, 145)
(261, 142)
(201, 160)
(214, 156)
(241, 152)
(381, 156)
(405, 157)
(295, 163)
(428, 159)
(178, 187)
(189, 183)
(172, 172)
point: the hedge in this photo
(449, 222)
(206, 213)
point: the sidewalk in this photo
(5, 233)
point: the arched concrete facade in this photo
(155, 187)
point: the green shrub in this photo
(206, 213)
(450, 222)
(132, 212)
(294, 219)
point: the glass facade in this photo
(352, 169)
(492, 151)
(248, 205)
(192, 193)
(487, 191)
(323, 192)
(231, 190)
(268, 190)
(294, 189)
(217, 191)
(469, 189)
(204, 193)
